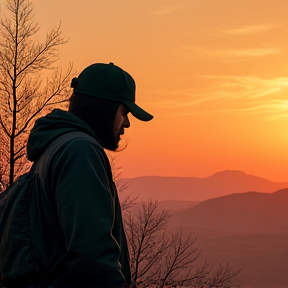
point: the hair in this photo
(99, 114)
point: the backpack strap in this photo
(64, 138)
(56, 144)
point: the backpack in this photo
(18, 265)
(19, 261)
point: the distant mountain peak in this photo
(235, 174)
(228, 171)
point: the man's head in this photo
(103, 96)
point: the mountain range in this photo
(238, 219)
(196, 189)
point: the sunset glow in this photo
(213, 73)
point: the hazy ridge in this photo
(197, 189)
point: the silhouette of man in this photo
(78, 236)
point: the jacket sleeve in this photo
(85, 207)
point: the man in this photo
(77, 230)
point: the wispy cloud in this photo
(230, 94)
(257, 52)
(166, 10)
(253, 29)
(229, 55)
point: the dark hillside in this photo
(248, 230)
(245, 212)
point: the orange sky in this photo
(214, 73)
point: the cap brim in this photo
(138, 112)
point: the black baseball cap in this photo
(108, 81)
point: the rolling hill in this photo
(248, 230)
(241, 212)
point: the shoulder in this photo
(82, 147)
(79, 160)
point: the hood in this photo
(51, 126)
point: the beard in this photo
(105, 133)
(110, 141)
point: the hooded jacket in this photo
(76, 223)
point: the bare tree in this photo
(178, 262)
(165, 258)
(146, 238)
(223, 277)
(23, 92)
(1, 180)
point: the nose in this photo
(126, 122)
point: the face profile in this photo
(121, 122)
